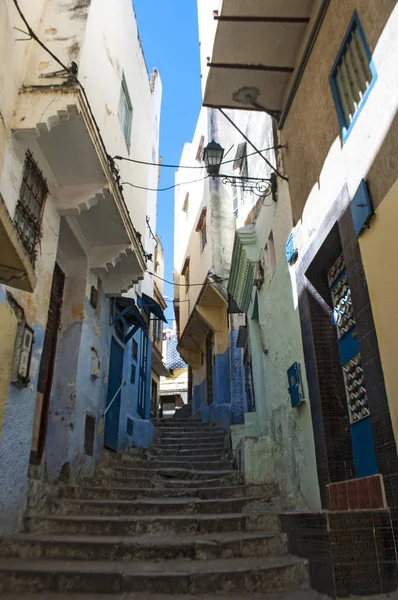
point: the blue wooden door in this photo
(354, 380)
(114, 383)
(142, 386)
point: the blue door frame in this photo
(351, 363)
(111, 434)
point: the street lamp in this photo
(212, 157)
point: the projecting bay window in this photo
(352, 77)
(30, 206)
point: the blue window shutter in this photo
(361, 208)
(295, 385)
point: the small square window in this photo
(352, 77)
(132, 376)
(94, 297)
(202, 228)
(125, 112)
(203, 235)
(185, 206)
(187, 279)
(29, 211)
(185, 273)
(235, 201)
(199, 153)
(134, 351)
(270, 254)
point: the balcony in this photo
(59, 129)
(259, 49)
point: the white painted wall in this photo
(112, 47)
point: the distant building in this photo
(174, 388)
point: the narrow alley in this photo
(198, 315)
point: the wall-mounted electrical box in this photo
(295, 385)
(22, 355)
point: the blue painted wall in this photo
(229, 395)
(15, 446)
(238, 384)
(75, 392)
(16, 441)
(143, 429)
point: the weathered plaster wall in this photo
(316, 161)
(112, 48)
(237, 380)
(377, 246)
(285, 452)
(18, 405)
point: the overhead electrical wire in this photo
(171, 187)
(225, 162)
(72, 72)
(183, 284)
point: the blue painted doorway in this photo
(351, 363)
(142, 386)
(111, 437)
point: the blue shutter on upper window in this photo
(361, 208)
(352, 77)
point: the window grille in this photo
(30, 206)
(353, 76)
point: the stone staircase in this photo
(172, 520)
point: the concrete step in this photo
(156, 506)
(165, 471)
(180, 459)
(187, 446)
(187, 462)
(169, 480)
(189, 431)
(182, 423)
(134, 493)
(160, 524)
(195, 577)
(143, 547)
(184, 455)
(182, 436)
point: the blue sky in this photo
(169, 35)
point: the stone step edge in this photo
(153, 518)
(162, 502)
(138, 490)
(298, 595)
(175, 567)
(143, 539)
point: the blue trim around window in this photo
(354, 24)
